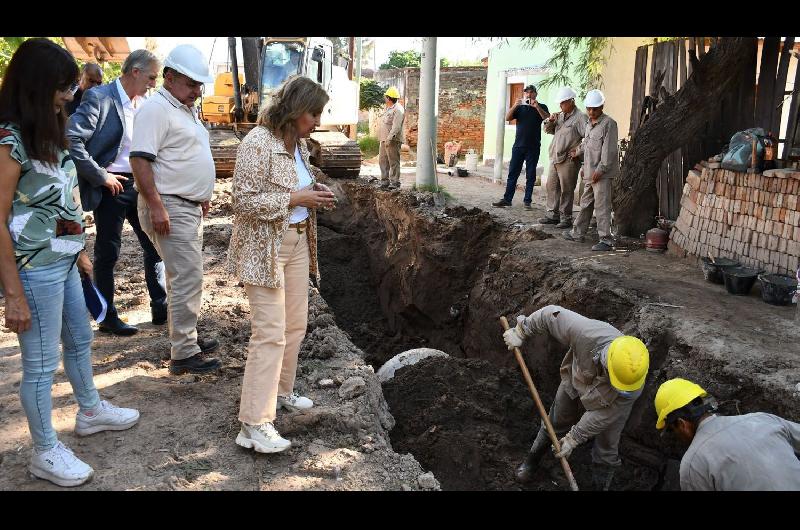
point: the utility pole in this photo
(352, 129)
(428, 114)
(358, 59)
(497, 175)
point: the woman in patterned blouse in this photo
(273, 250)
(42, 256)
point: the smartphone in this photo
(527, 101)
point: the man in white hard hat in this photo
(600, 166)
(174, 172)
(390, 134)
(568, 128)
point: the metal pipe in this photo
(238, 111)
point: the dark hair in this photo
(691, 412)
(91, 66)
(38, 68)
(296, 96)
(530, 88)
(393, 100)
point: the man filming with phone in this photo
(529, 114)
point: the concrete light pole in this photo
(501, 126)
(428, 114)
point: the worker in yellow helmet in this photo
(750, 452)
(390, 134)
(602, 374)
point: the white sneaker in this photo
(294, 402)
(60, 466)
(106, 418)
(263, 438)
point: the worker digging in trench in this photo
(602, 373)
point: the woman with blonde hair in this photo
(273, 250)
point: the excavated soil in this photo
(446, 275)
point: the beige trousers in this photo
(278, 321)
(561, 181)
(182, 252)
(596, 199)
(389, 160)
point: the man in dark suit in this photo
(91, 76)
(100, 135)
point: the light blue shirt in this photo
(300, 213)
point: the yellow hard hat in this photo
(674, 394)
(392, 93)
(628, 361)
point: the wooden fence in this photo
(745, 105)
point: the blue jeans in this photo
(530, 155)
(58, 313)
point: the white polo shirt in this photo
(172, 137)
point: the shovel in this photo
(543, 413)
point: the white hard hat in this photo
(564, 94)
(189, 61)
(594, 98)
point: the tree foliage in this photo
(370, 95)
(585, 72)
(9, 45)
(402, 59)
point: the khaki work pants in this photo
(596, 199)
(182, 252)
(566, 411)
(389, 160)
(278, 321)
(561, 181)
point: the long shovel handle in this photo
(542, 412)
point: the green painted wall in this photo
(511, 54)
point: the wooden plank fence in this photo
(747, 104)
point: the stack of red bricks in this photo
(751, 217)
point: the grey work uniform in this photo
(751, 452)
(584, 383)
(600, 153)
(568, 131)
(390, 134)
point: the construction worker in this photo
(603, 373)
(390, 134)
(568, 128)
(750, 452)
(600, 166)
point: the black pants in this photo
(529, 155)
(109, 216)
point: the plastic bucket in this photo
(471, 161)
(712, 272)
(740, 280)
(777, 289)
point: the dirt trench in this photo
(401, 274)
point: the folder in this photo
(95, 302)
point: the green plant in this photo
(369, 146)
(588, 69)
(371, 94)
(398, 59)
(362, 127)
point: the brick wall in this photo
(462, 104)
(750, 217)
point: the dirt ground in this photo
(185, 438)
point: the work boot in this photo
(196, 364)
(208, 345)
(548, 221)
(526, 470)
(117, 327)
(566, 223)
(158, 313)
(394, 186)
(528, 206)
(602, 246)
(569, 237)
(384, 184)
(502, 203)
(602, 475)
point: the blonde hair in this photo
(296, 96)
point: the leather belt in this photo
(182, 198)
(301, 227)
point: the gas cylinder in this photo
(656, 240)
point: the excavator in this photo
(268, 61)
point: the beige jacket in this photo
(391, 124)
(568, 133)
(263, 178)
(599, 148)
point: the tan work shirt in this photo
(172, 137)
(599, 148)
(582, 369)
(390, 127)
(568, 131)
